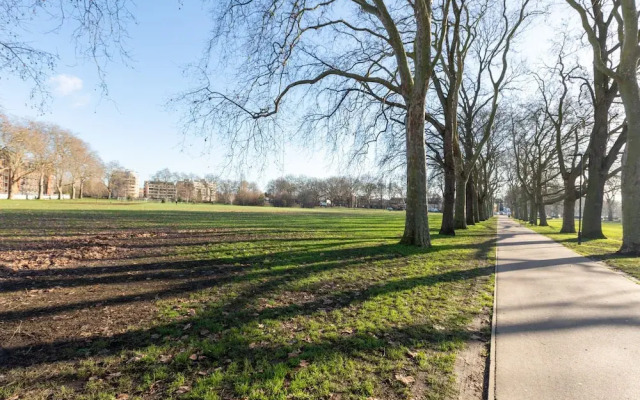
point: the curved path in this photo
(566, 327)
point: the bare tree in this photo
(568, 121)
(373, 78)
(600, 23)
(612, 189)
(625, 13)
(99, 30)
(17, 143)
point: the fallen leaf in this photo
(187, 326)
(407, 380)
(303, 363)
(294, 354)
(122, 396)
(412, 354)
(165, 358)
(193, 357)
(183, 389)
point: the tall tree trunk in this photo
(568, 215)
(533, 209)
(73, 191)
(460, 213)
(569, 206)
(610, 211)
(482, 215)
(81, 189)
(630, 179)
(598, 171)
(41, 185)
(472, 202)
(449, 194)
(542, 213)
(416, 228)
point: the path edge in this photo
(491, 387)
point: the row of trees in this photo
(395, 70)
(225, 191)
(583, 120)
(49, 154)
(367, 191)
(400, 69)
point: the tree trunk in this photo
(482, 215)
(73, 191)
(10, 187)
(81, 189)
(460, 217)
(630, 179)
(475, 210)
(542, 213)
(470, 203)
(533, 209)
(41, 186)
(569, 204)
(448, 198)
(610, 211)
(569, 214)
(416, 228)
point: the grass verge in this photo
(599, 249)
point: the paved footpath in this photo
(566, 327)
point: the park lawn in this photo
(107, 300)
(599, 249)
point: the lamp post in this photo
(580, 200)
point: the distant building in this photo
(126, 184)
(157, 190)
(196, 191)
(27, 186)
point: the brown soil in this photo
(471, 362)
(75, 288)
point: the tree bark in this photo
(630, 180)
(41, 186)
(472, 202)
(416, 229)
(449, 194)
(460, 218)
(533, 220)
(542, 213)
(569, 213)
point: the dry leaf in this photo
(294, 354)
(122, 396)
(412, 354)
(193, 357)
(165, 358)
(187, 326)
(303, 363)
(407, 380)
(183, 389)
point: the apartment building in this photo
(157, 190)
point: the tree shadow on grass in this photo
(285, 287)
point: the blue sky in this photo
(132, 125)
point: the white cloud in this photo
(64, 84)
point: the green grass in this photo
(305, 304)
(599, 249)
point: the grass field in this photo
(158, 301)
(599, 249)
